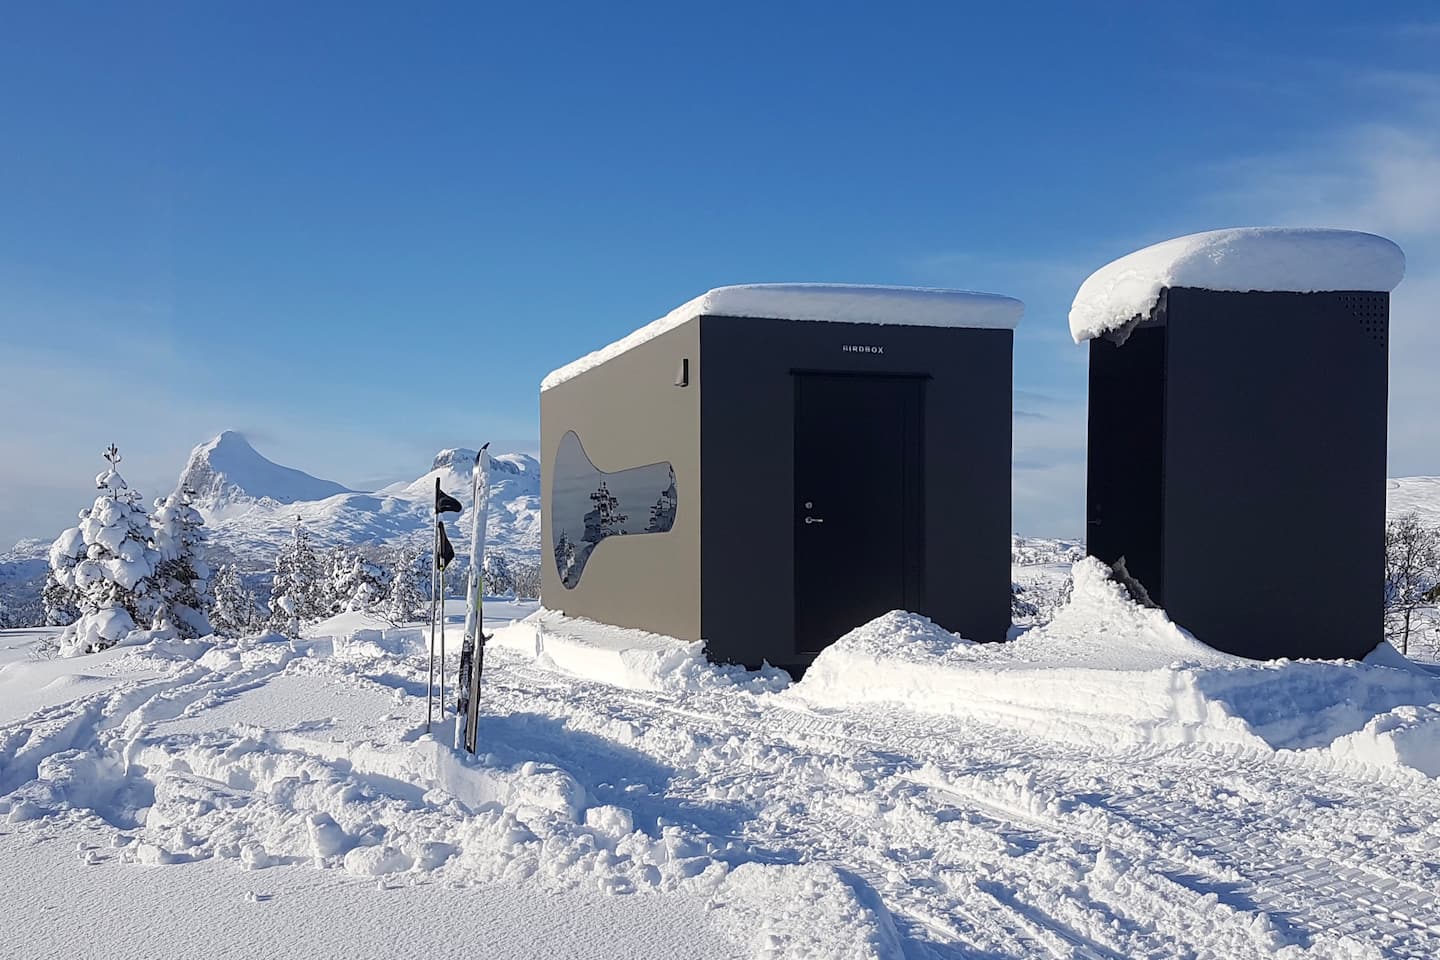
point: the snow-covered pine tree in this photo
(496, 577)
(233, 610)
(59, 601)
(4, 614)
(406, 597)
(182, 575)
(108, 563)
(358, 584)
(334, 592)
(297, 592)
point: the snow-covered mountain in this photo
(251, 504)
(227, 470)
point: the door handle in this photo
(814, 519)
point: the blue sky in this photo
(360, 233)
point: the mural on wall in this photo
(587, 505)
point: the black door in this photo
(857, 502)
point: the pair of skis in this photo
(472, 649)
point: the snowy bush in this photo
(181, 574)
(108, 565)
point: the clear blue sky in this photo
(361, 233)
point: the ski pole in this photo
(434, 576)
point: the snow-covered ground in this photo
(909, 798)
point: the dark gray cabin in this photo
(771, 466)
(1236, 462)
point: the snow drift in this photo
(1108, 671)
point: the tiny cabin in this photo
(769, 466)
(1237, 433)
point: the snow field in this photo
(895, 803)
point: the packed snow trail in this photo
(806, 832)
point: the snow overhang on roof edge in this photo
(827, 302)
(1241, 259)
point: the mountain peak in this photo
(227, 469)
(454, 458)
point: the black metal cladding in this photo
(749, 497)
(1237, 462)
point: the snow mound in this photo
(807, 912)
(228, 469)
(618, 656)
(821, 302)
(1241, 259)
(1107, 670)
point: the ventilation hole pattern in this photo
(1373, 312)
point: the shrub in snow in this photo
(297, 591)
(406, 598)
(233, 610)
(108, 564)
(1412, 573)
(181, 573)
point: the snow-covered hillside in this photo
(250, 505)
(1420, 495)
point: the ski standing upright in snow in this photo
(472, 650)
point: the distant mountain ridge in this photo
(251, 504)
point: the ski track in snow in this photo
(812, 832)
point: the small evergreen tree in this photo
(108, 563)
(233, 610)
(297, 592)
(406, 597)
(182, 575)
(357, 584)
(496, 577)
(60, 602)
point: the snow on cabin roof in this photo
(1241, 259)
(832, 302)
